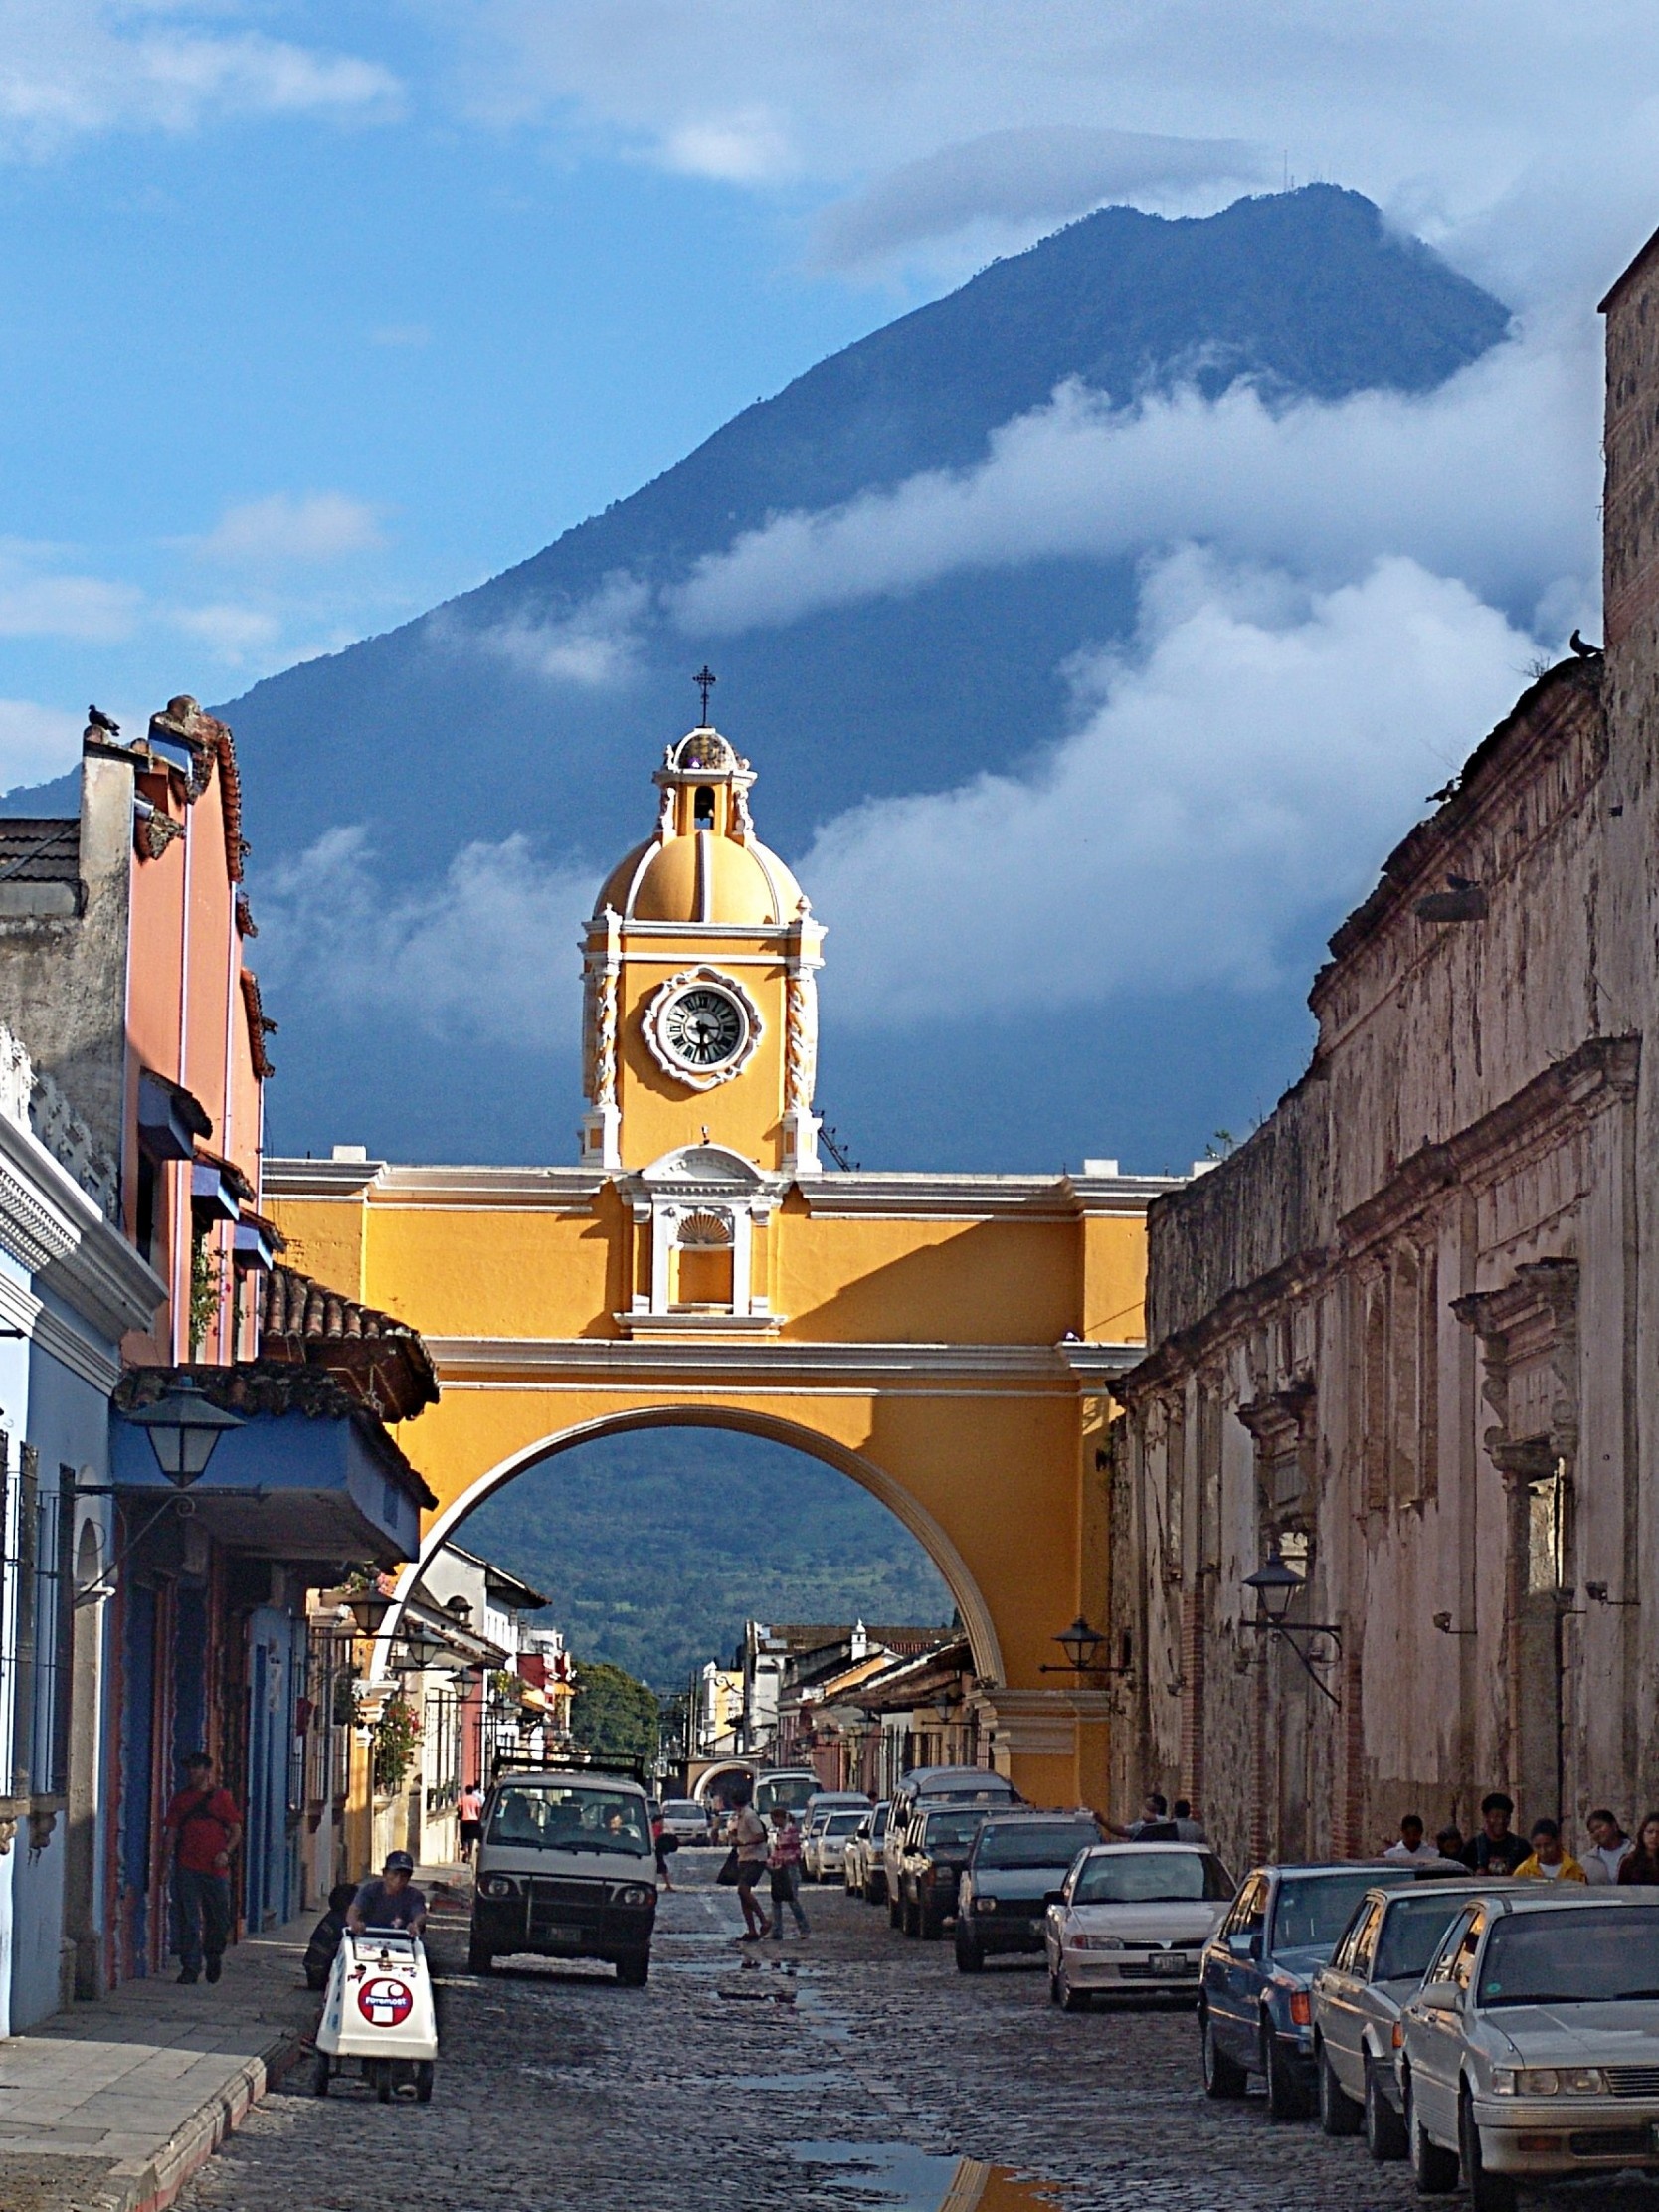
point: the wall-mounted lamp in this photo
(1443, 1621)
(184, 1429)
(1275, 1586)
(1081, 1645)
(1596, 1592)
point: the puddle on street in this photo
(824, 2077)
(902, 2178)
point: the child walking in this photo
(783, 1859)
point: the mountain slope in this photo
(517, 709)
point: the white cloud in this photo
(1235, 778)
(484, 954)
(70, 68)
(747, 148)
(1038, 174)
(230, 632)
(1493, 477)
(90, 610)
(284, 529)
(591, 646)
(36, 742)
(1494, 122)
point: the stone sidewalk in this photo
(112, 2106)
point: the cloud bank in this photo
(1236, 775)
(1492, 478)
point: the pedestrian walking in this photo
(1642, 1866)
(1449, 1841)
(326, 1936)
(1154, 1824)
(785, 1861)
(1188, 1828)
(200, 1831)
(1609, 1847)
(1550, 1861)
(471, 1812)
(389, 1899)
(663, 1843)
(1497, 1849)
(1410, 1843)
(749, 1843)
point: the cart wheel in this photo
(321, 2074)
(382, 2080)
(422, 2082)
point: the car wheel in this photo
(1433, 2170)
(633, 1971)
(479, 1960)
(1053, 1989)
(1385, 2130)
(1286, 2098)
(1488, 2192)
(1338, 2113)
(1072, 2000)
(970, 1960)
(1222, 2077)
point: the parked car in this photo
(941, 1785)
(822, 1853)
(1017, 1861)
(938, 1841)
(1357, 1994)
(822, 1803)
(1131, 1921)
(1529, 2049)
(862, 1870)
(688, 1821)
(565, 1869)
(1255, 1997)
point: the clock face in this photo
(704, 1026)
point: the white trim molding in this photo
(660, 1005)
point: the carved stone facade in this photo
(1397, 1337)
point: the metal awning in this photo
(212, 1192)
(170, 1119)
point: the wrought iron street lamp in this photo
(184, 1429)
(1276, 1586)
(369, 1608)
(1081, 1645)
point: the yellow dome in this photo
(702, 877)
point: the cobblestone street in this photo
(855, 2070)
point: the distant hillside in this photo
(655, 1546)
(459, 726)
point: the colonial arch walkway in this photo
(944, 1341)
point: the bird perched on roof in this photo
(96, 719)
(1584, 652)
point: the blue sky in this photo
(314, 316)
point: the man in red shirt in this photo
(201, 1830)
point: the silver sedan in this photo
(1530, 2049)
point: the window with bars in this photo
(38, 1540)
(441, 1749)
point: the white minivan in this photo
(566, 1869)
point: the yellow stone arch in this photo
(944, 1341)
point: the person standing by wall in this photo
(785, 1872)
(201, 1829)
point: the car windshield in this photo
(948, 1829)
(1038, 1843)
(1412, 1935)
(843, 1823)
(1597, 1956)
(544, 1818)
(682, 1808)
(1151, 1878)
(1313, 1908)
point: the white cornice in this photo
(1099, 1363)
(56, 1230)
(461, 1359)
(555, 1189)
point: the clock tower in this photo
(701, 1006)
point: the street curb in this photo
(151, 2184)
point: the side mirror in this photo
(1245, 1943)
(1440, 1997)
(1054, 1897)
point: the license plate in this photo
(1170, 1962)
(572, 1936)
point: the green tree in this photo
(614, 1717)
